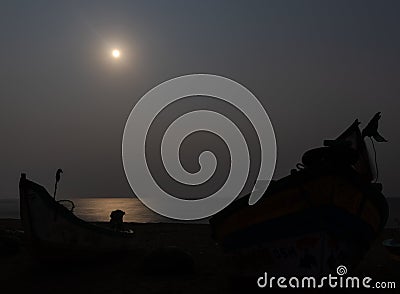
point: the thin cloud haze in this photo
(315, 65)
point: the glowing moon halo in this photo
(116, 53)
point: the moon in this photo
(116, 53)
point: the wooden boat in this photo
(321, 216)
(53, 231)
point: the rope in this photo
(69, 201)
(376, 163)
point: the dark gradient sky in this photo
(315, 65)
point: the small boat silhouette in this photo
(54, 232)
(325, 214)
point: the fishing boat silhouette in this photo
(53, 231)
(324, 214)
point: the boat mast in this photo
(58, 176)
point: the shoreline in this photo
(214, 270)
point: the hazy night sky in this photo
(315, 65)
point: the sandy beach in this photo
(212, 271)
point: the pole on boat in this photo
(58, 176)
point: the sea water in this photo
(99, 209)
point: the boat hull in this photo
(54, 231)
(307, 223)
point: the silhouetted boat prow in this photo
(321, 216)
(53, 231)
